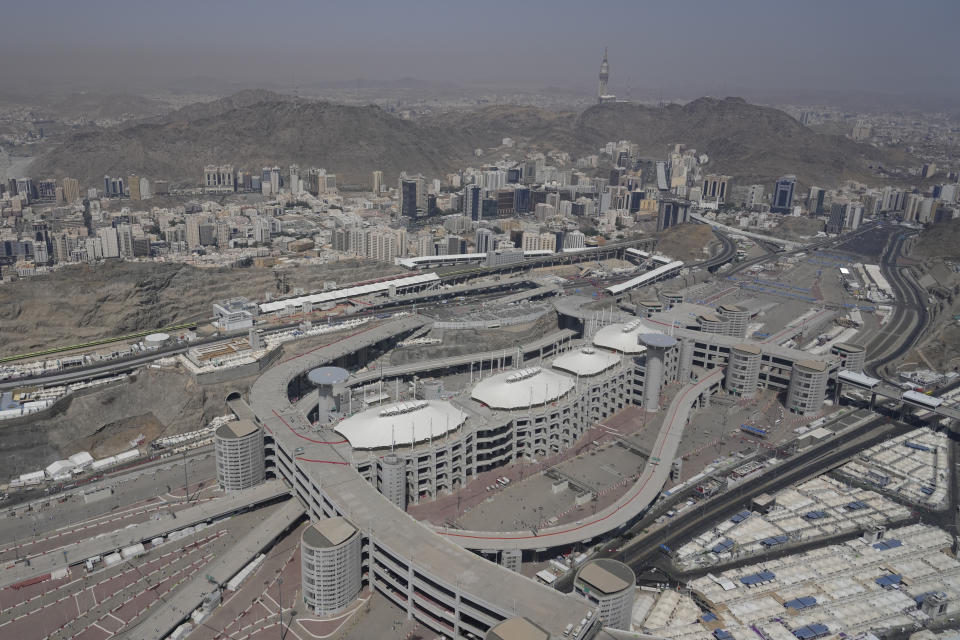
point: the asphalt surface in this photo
(643, 551)
(910, 316)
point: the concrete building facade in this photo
(808, 384)
(330, 566)
(240, 455)
(609, 585)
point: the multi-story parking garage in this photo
(367, 467)
(537, 411)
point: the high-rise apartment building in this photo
(473, 202)
(413, 196)
(125, 239)
(715, 188)
(574, 240)
(377, 182)
(71, 190)
(192, 223)
(754, 197)
(672, 212)
(783, 195)
(815, 200)
(109, 242)
(113, 187)
(133, 183)
(483, 239)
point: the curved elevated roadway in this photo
(329, 454)
(317, 466)
(618, 515)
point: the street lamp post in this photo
(280, 604)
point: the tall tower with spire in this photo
(604, 76)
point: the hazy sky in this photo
(711, 46)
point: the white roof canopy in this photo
(624, 337)
(586, 361)
(400, 423)
(522, 388)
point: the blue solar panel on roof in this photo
(722, 634)
(757, 578)
(723, 546)
(709, 617)
(856, 505)
(926, 490)
(819, 629)
(815, 515)
(888, 580)
(893, 542)
(918, 447)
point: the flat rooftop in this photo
(607, 576)
(517, 629)
(236, 429)
(328, 533)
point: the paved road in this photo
(642, 551)
(129, 488)
(909, 319)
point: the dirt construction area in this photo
(153, 403)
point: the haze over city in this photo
(502, 321)
(675, 49)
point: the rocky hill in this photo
(256, 128)
(938, 241)
(750, 142)
(351, 141)
(83, 302)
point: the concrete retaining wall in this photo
(61, 404)
(235, 373)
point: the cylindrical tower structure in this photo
(610, 585)
(743, 370)
(737, 318)
(328, 381)
(852, 356)
(240, 455)
(392, 479)
(657, 345)
(330, 564)
(670, 299)
(808, 385)
(712, 323)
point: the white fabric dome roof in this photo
(586, 361)
(522, 388)
(623, 337)
(401, 423)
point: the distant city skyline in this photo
(690, 48)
